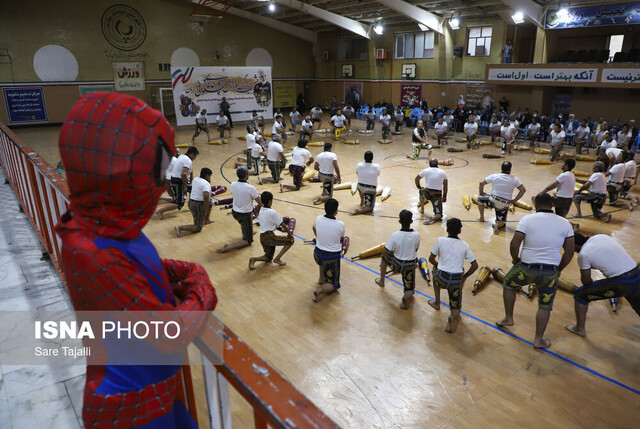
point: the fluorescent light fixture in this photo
(562, 13)
(454, 23)
(272, 7)
(423, 27)
(378, 29)
(518, 17)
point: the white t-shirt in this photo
(495, 126)
(316, 113)
(198, 187)
(556, 138)
(368, 173)
(433, 177)
(300, 156)
(399, 116)
(404, 244)
(251, 139)
(617, 173)
(567, 183)
(630, 169)
(582, 133)
(385, 119)
(348, 112)
(598, 183)
(600, 136)
(306, 125)
(370, 115)
(294, 116)
(338, 121)
(470, 128)
(329, 233)
(544, 236)
(606, 145)
(569, 126)
(440, 127)
(325, 162)
(277, 128)
(509, 132)
(222, 120)
(448, 119)
(615, 151)
(200, 118)
(624, 138)
(601, 252)
(273, 151)
(451, 253)
(503, 184)
(243, 196)
(269, 219)
(182, 162)
(167, 174)
(256, 150)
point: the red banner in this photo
(410, 90)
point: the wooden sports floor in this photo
(369, 364)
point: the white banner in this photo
(620, 76)
(245, 88)
(128, 76)
(542, 75)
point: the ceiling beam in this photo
(529, 8)
(415, 13)
(299, 32)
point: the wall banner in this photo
(542, 75)
(90, 89)
(620, 76)
(25, 105)
(246, 89)
(284, 94)
(410, 90)
(128, 76)
(595, 16)
(478, 96)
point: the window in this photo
(414, 45)
(615, 44)
(479, 41)
(352, 49)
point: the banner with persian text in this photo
(621, 76)
(409, 91)
(594, 16)
(542, 75)
(128, 76)
(245, 88)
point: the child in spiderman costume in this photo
(115, 150)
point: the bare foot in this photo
(316, 296)
(380, 281)
(574, 329)
(279, 262)
(496, 231)
(160, 215)
(504, 322)
(405, 300)
(607, 218)
(542, 344)
(576, 216)
(209, 221)
(421, 209)
(252, 264)
(452, 324)
(178, 231)
(260, 180)
(281, 188)
(481, 219)
(429, 221)
(223, 249)
(433, 304)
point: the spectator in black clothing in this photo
(424, 105)
(350, 98)
(302, 104)
(224, 107)
(504, 104)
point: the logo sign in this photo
(123, 27)
(595, 16)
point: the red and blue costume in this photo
(115, 149)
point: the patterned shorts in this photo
(453, 284)
(501, 208)
(197, 209)
(435, 197)
(624, 285)
(369, 194)
(270, 240)
(596, 201)
(297, 172)
(544, 277)
(329, 263)
(178, 192)
(406, 268)
(327, 183)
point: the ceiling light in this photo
(454, 23)
(378, 29)
(423, 27)
(563, 12)
(272, 7)
(518, 17)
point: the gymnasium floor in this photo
(369, 364)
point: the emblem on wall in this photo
(123, 27)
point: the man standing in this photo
(419, 141)
(300, 159)
(622, 277)
(471, 131)
(201, 125)
(337, 123)
(448, 270)
(507, 52)
(508, 133)
(326, 165)
(543, 236)
(385, 121)
(295, 118)
(222, 124)
(224, 108)
(556, 138)
(501, 195)
(435, 190)
(269, 221)
(565, 182)
(251, 139)
(276, 161)
(181, 175)
(399, 117)
(399, 253)
(597, 196)
(244, 194)
(199, 203)
(368, 173)
(329, 234)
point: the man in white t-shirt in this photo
(442, 129)
(167, 177)
(508, 133)
(199, 203)
(223, 122)
(316, 115)
(556, 138)
(257, 121)
(327, 165)
(294, 115)
(368, 173)
(419, 141)
(448, 119)
(544, 237)
(201, 125)
(244, 194)
(338, 122)
(581, 137)
(494, 128)
(269, 222)
(622, 277)
(251, 139)
(614, 185)
(533, 132)
(471, 132)
(630, 175)
(276, 161)
(435, 190)
(448, 270)
(306, 128)
(597, 196)
(613, 155)
(501, 195)
(385, 121)
(399, 118)
(181, 176)
(300, 159)
(607, 143)
(349, 113)
(330, 234)
(279, 128)
(258, 156)
(399, 254)
(565, 182)
(370, 117)
(624, 136)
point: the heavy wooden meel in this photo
(541, 150)
(386, 193)
(315, 144)
(351, 142)
(182, 145)
(567, 155)
(454, 149)
(447, 161)
(521, 148)
(579, 173)
(498, 274)
(485, 143)
(541, 161)
(371, 252)
(474, 199)
(216, 141)
(491, 156)
(379, 190)
(223, 201)
(354, 188)
(308, 174)
(586, 158)
(341, 186)
(481, 280)
(217, 190)
(566, 286)
(385, 141)
(522, 205)
(423, 265)
(466, 201)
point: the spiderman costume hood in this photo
(115, 150)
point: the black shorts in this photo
(329, 263)
(452, 282)
(369, 194)
(327, 183)
(276, 169)
(406, 268)
(314, 120)
(178, 192)
(270, 240)
(297, 172)
(562, 205)
(246, 224)
(596, 200)
(201, 128)
(614, 191)
(435, 197)
(624, 285)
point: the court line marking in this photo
(511, 334)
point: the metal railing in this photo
(44, 196)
